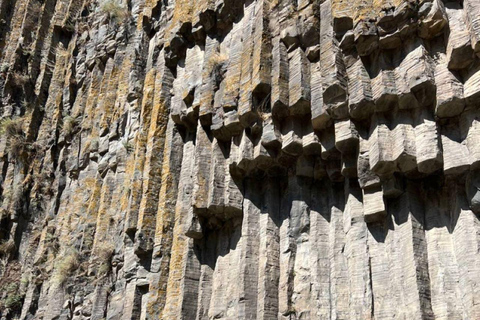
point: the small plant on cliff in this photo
(67, 263)
(4, 67)
(51, 242)
(218, 59)
(13, 298)
(62, 51)
(11, 291)
(7, 247)
(42, 183)
(12, 130)
(19, 79)
(69, 124)
(11, 127)
(263, 107)
(128, 146)
(28, 52)
(26, 105)
(104, 254)
(70, 26)
(114, 9)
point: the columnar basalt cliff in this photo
(240, 159)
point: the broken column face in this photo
(230, 159)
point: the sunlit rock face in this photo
(239, 159)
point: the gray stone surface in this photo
(230, 159)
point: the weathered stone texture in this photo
(230, 159)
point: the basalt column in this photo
(239, 159)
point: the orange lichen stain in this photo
(148, 96)
(363, 10)
(91, 103)
(182, 13)
(164, 231)
(110, 97)
(102, 112)
(93, 202)
(136, 179)
(154, 156)
(123, 78)
(128, 183)
(103, 217)
(15, 30)
(341, 8)
(399, 2)
(177, 260)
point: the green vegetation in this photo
(115, 10)
(263, 108)
(4, 67)
(104, 254)
(13, 298)
(12, 130)
(12, 289)
(7, 247)
(64, 267)
(19, 79)
(217, 59)
(69, 124)
(128, 146)
(11, 127)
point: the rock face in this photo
(240, 159)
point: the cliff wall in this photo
(240, 159)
